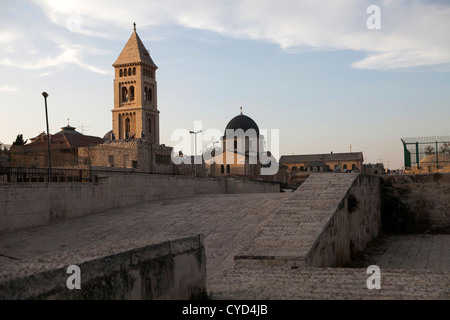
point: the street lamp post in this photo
(195, 151)
(45, 95)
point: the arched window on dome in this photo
(222, 169)
(124, 94)
(345, 167)
(131, 93)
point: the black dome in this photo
(242, 122)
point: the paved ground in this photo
(227, 221)
(412, 251)
(276, 283)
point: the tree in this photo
(429, 150)
(445, 148)
(19, 140)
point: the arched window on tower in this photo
(124, 94)
(150, 94)
(125, 72)
(149, 125)
(129, 71)
(145, 94)
(120, 73)
(222, 169)
(134, 71)
(131, 93)
(151, 74)
(228, 168)
(127, 127)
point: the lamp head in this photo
(45, 94)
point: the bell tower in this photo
(135, 113)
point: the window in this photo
(134, 71)
(120, 73)
(125, 72)
(111, 160)
(129, 71)
(127, 127)
(131, 93)
(222, 169)
(151, 74)
(150, 95)
(353, 166)
(149, 125)
(145, 94)
(235, 144)
(124, 94)
(345, 167)
(228, 168)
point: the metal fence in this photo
(426, 151)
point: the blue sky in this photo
(311, 69)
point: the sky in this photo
(314, 70)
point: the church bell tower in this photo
(135, 113)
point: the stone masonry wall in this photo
(173, 269)
(416, 203)
(356, 221)
(327, 219)
(32, 204)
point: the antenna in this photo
(82, 128)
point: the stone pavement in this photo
(226, 221)
(411, 251)
(277, 282)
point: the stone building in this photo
(63, 149)
(133, 142)
(301, 166)
(241, 146)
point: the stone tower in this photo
(135, 112)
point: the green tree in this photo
(445, 148)
(19, 140)
(429, 150)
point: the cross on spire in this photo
(134, 25)
(241, 109)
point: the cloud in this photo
(413, 32)
(7, 88)
(70, 54)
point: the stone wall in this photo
(416, 203)
(170, 270)
(32, 204)
(356, 221)
(328, 218)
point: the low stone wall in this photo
(416, 203)
(32, 204)
(356, 221)
(169, 270)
